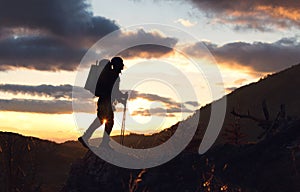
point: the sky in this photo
(179, 55)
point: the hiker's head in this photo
(117, 63)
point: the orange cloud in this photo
(240, 81)
(280, 12)
(253, 14)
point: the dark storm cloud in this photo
(48, 34)
(54, 35)
(66, 18)
(261, 15)
(53, 54)
(40, 53)
(262, 57)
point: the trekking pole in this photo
(123, 124)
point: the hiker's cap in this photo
(117, 61)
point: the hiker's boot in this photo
(80, 139)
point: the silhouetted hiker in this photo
(107, 90)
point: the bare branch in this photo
(248, 116)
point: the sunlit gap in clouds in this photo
(34, 77)
(160, 99)
(55, 127)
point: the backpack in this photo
(94, 77)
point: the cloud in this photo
(162, 112)
(61, 100)
(260, 56)
(62, 18)
(48, 35)
(192, 103)
(171, 107)
(230, 89)
(146, 51)
(67, 91)
(40, 53)
(240, 81)
(152, 112)
(54, 35)
(160, 44)
(36, 106)
(169, 102)
(141, 112)
(186, 22)
(51, 91)
(44, 106)
(53, 54)
(261, 15)
(62, 91)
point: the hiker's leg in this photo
(109, 123)
(108, 128)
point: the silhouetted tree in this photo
(269, 126)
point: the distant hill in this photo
(32, 164)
